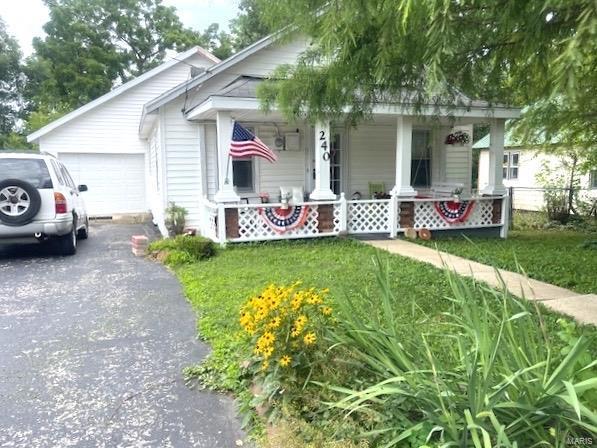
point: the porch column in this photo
(495, 185)
(322, 191)
(404, 137)
(225, 191)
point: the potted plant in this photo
(457, 138)
(264, 196)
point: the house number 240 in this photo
(324, 145)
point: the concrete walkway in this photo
(582, 307)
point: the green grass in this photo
(553, 256)
(217, 287)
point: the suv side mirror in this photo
(82, 188)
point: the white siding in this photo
(113, 127)
(182, 148)
(527, 193)
(371, 158)
(288, 171)
(458, 161)
(212, 159)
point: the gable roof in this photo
(210, 72)
(178, 58)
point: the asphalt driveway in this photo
(92, 348)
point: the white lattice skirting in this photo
(369, 216)
(252, 227)
(426, 216)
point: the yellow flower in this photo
(310, 338)
(326, 310)
(294, 332)
(301, 321)
(285, 361)
(275, 322)
(267, 352)
(265, 365)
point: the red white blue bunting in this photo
(282, 220)
(454, 211)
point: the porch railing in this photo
(245, 222)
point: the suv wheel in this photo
(67, 244)
(83, 232)
(19, 202)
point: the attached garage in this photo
(116, 181)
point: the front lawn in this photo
(560, 257)
(417, 308)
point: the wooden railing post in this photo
(505, 216)
(393, 212)
(221, 229)
(343, 214)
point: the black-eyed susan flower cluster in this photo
(286, 324)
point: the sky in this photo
(25, 18)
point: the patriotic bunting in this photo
(454, 212)
(282, 220)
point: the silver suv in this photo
(39, 201)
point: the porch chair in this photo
(296, 194)
(376, 188)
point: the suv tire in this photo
(19, 202)
(67, 244)
(83, 232)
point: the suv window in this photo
(58, 173)
(69, 180)
(34, 171)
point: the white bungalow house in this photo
(164, 137)
(520, 167)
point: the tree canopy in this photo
(539, 54)
(11, 79)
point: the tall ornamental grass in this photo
(484, 374)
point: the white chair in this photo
(295, 194)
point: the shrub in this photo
(485, 374)
(183, 249)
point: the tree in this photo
(219, 43)
(11, 81)
(93, 44)
(250, 24)
(508, 51)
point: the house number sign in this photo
(323, 144)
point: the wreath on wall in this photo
(458, 138)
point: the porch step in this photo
(582, 307)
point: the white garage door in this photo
(116, 181)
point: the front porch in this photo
(385, 217)
(395, 172)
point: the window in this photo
(593, 179)
(34, 171)
(69, 180)
(421, 158)
(336, 163)
(510, 165)
(242, 170)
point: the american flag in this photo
(245, 144)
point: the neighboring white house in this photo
(164, 137)
(520, 168)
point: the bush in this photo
(183, 249)
(524, 220)
(485, 374)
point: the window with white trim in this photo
(510, 165)
(593, 180)
(242, 173)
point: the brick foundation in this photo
(325, 218)
(407, 214)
